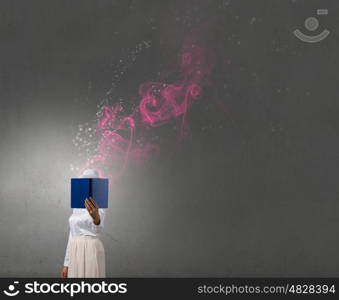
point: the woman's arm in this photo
(93, 210)
(64, 271)
(66, 260)
(96, 213)
(98, 228)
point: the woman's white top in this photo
(81, 223)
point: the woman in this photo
(85, 255)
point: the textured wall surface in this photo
(252, 192)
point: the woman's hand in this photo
(64, 272)
(93, 210)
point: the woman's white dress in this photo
(85, 254)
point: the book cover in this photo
(81, 188)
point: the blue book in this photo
(82, 188)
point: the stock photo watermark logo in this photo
(12, 291)
(312, 24)
(71, 289)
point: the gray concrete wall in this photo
(253, 192)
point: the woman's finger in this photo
(94, 203)
(88, 207)
(95, 206)
(90, 204)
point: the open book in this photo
(81, 188)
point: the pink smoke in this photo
(160, 102)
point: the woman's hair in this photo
(89, 173)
